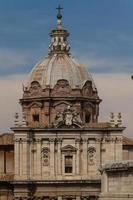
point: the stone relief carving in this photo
(62, 87)
(68, 118)
(45, 156)
(59, 118)
(91, 155)
(35, 88)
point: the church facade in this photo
(61, 151)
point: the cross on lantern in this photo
(59, 9)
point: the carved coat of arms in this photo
(68, 118)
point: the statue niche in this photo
(62, 88)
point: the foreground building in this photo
(61, 150)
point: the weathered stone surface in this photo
(7, 139)
(117, 181)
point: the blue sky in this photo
(101, 33)
(101, 37)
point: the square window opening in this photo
(36, 118)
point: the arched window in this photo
(68, 164)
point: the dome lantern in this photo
(59, 43)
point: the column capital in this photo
(38, 140)
(51, 140)
(84, 140)
(59, 140)
(77, 140)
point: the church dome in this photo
(59, 64)
(60, 84)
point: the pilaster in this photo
(78, 197)
(78, 156)
(24, 158)
(84, 157)
(16, 158)
(59, 156)
(39, 165)
(59, 197)
(52, 156)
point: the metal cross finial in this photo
(59, 9)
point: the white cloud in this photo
(108, 65)
(10, 93)
(115, 90)
(10, 59)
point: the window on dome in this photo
(68, 164)
(87, 118)
(36, 118)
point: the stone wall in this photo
(117, 181)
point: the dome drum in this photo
(46, 103)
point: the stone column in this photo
(52, 156)
(59, 156)
(98, 152)
(112, 149)
(63, 164)
(118, 149)
(103, 151)
(78, 156)
(20, 157)
(34, 154)
(39, 165)
(24, 158)
(29, 158)
(74, 163)
(78, 198)
(84, 157)
(104, 183)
